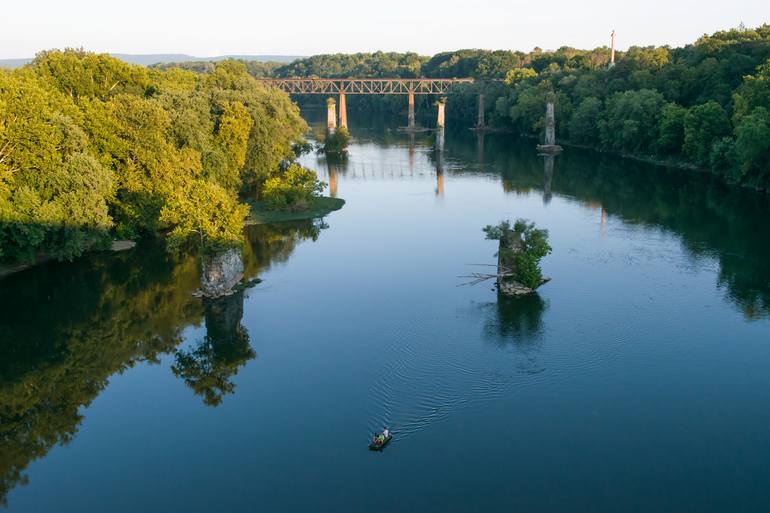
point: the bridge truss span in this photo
(329, 86)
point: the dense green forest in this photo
(93, 147)
(706, 105)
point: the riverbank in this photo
(668, 163)
(319, 207)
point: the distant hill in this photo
(148, 59)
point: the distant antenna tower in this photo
(612, 52)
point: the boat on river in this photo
(376, 444)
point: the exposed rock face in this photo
(220, 272)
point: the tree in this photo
(516, 75)
(531, 246)
(205, 212)
(632, 120)
(671, 129)
(704, 124)
(585, 121)
(232, 138)
(293, 189)
(754, 92)
(752, 145)
(337, 143)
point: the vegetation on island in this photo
(336, 143)
(522, 247)
(93, 148)
(316, 208)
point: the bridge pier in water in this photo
(440, 161)
(410, 119)
(331, 115)
(440, 105)
(343, 111)
(481, 122)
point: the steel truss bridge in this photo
(408, 86)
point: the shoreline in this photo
(670, 164)
(321, 207)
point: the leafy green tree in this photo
(516, 75)
(671, 129)
(337, 143)
(632, 120)
(704, 124)
(84, 74)
(232, 136)
(293, 189)
(754, 92)
(752, 145)
(205, 212)
(585, 121)
(531, 246)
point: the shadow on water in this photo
(66, 328)
(516, 321)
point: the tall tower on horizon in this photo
(612, 52)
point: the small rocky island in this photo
(522, 246)
(221, 272)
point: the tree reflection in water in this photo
(516, 323)
(209, 367)
(517, 320)
(65, 329)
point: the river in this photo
(638, 379)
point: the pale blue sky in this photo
(300, 27)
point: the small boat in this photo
(374, 445)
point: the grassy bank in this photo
(319, 207)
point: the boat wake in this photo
(424, 380)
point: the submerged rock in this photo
(220, 272)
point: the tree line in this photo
(92, 148)
(705, 105)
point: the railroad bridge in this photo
(345, 86)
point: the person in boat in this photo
(386, 433)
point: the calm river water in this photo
(638, 379)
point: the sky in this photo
(302, 27)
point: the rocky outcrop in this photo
(220, 272)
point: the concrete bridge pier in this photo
(550, 125)
(440, 105)
(343, 111)
(480, 122)
(331, 115)
(410, 119)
